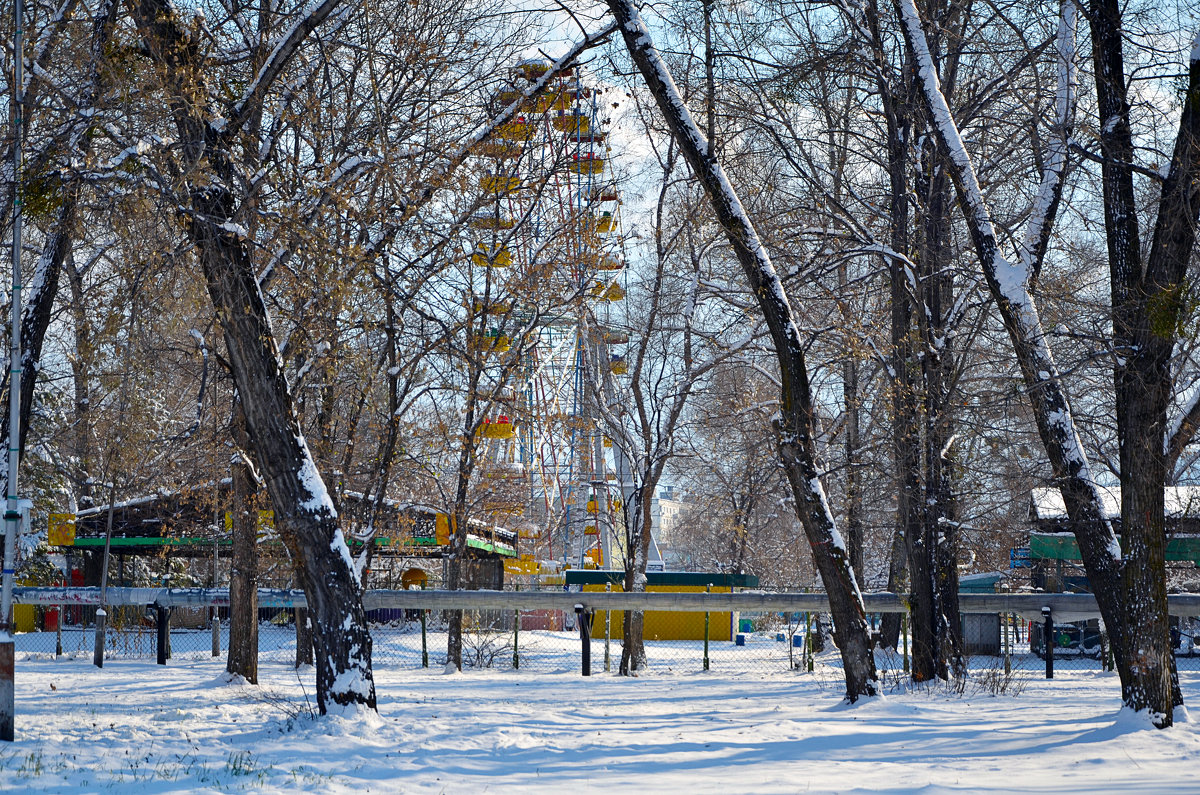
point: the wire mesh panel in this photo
(999, 648)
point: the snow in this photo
(339, 547)
(135, 727)
(1175, 422)
(351, 681)
(319, 500)
(237, 230)
(1179, 502)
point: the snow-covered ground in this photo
(136, 727)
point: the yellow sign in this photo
(442, 529)
(521, 566)
(60, 530)
(266, 520)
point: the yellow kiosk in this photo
(661, 624)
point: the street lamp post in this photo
(12, 513)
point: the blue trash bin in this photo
(739, 639)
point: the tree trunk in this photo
(796, 444)
(905, 453)
(304, 638)
(633, 638)
(906, 436)
(304, 512)
(936, 624)
(243, 574)
(1127, 578)
(456, 560)
(81, 380)
(854, 523)
(889, 627)
(1146, 309)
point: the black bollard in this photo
(164, 632)
(583, 619)
(1048, 635)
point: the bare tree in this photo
(1127, 575)
(796, 433)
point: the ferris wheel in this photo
(548, 236)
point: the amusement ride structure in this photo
(547, 241)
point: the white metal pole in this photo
(12, 514)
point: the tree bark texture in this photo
(633, 643)
(304, 513)
(304, 638)
(243, 579)
(243, 573)
(905, 429)
(1147, 303)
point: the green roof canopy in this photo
(1062, 546)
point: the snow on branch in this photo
(285, 46)
(1182, 428)
(1009, 284)
(1032, 249)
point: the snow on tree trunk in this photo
(1129, 584)
(304, 512)
(796, 445)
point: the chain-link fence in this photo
(729, 642)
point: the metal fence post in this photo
(216, 633)
(516, 639)
(62, 614)
(1048, 636)
(585, 639)
(904, 634)
(424, 642)
(101, 631)
(1008, 643)
(707, 589)
(607, 631)
(808, 642)
(163, 615)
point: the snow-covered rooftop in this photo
(1182, 502)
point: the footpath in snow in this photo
(136, 727)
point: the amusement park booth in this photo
(661, 624)
(196, 524)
